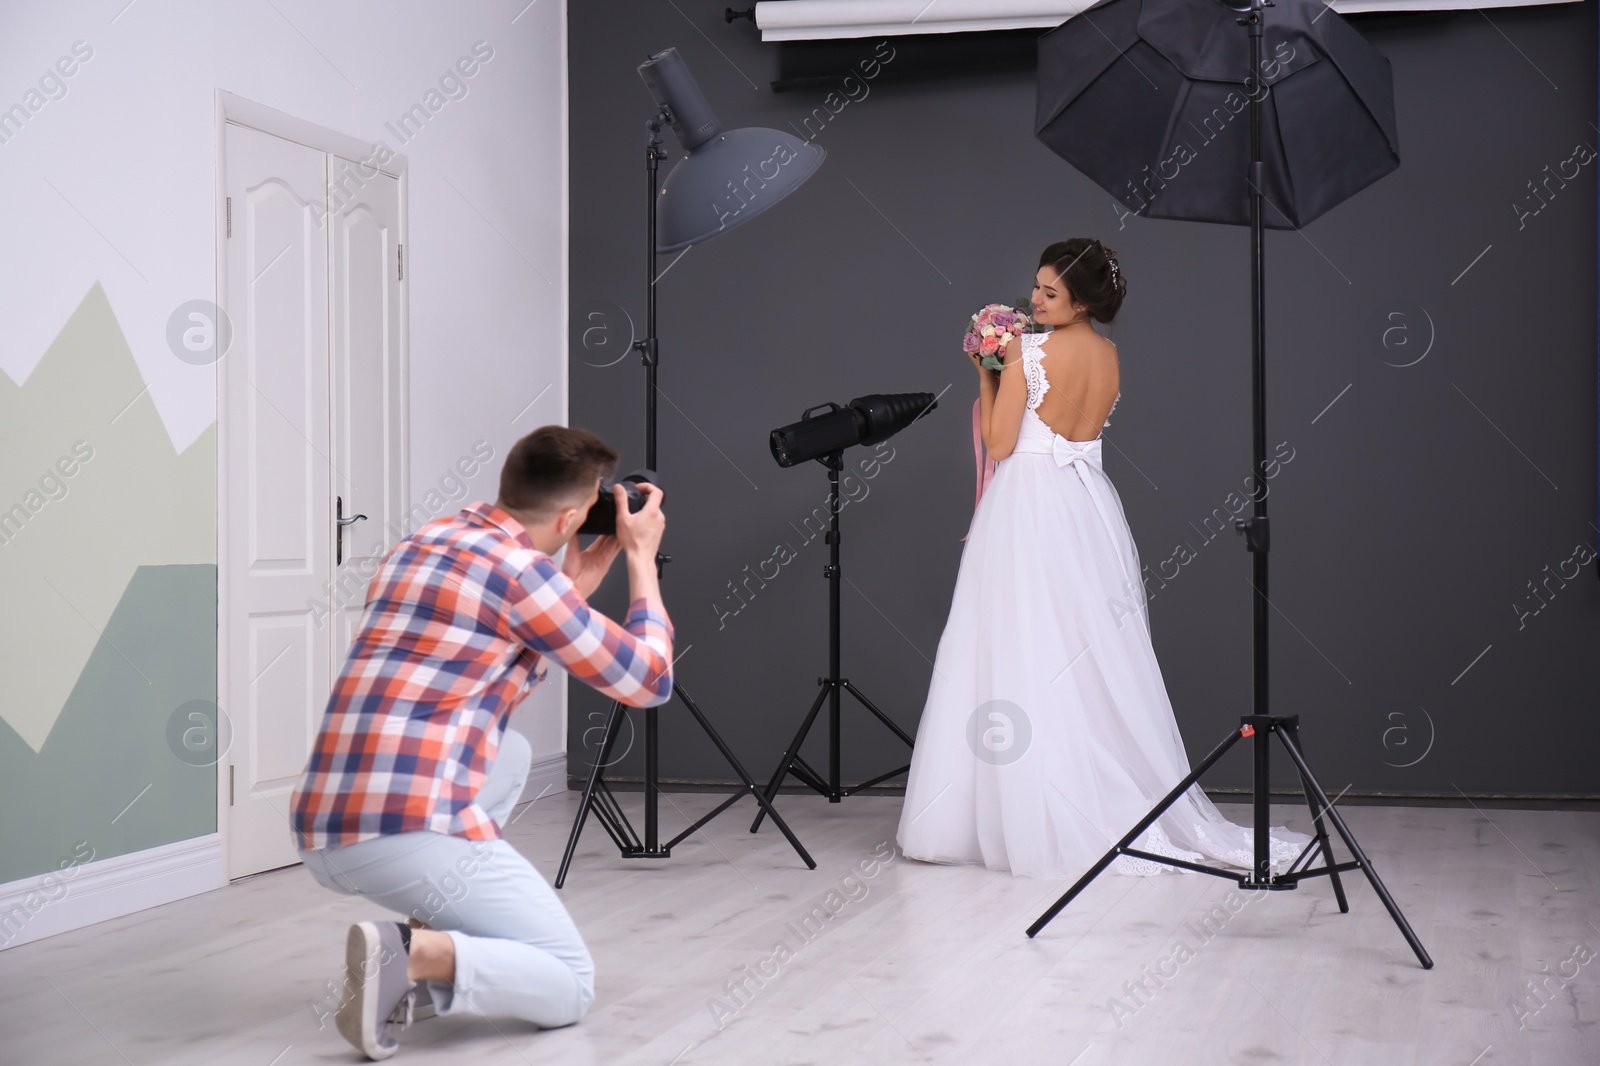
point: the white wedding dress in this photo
(1047, 733)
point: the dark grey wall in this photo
(1407, 527)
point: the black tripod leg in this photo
(1355, 849)
(738, 768)
(612, 728)
(789, 755)
(885, 719)
(1144, 823)
(1082, 883)
(1322, 831)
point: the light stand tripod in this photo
(1260, 724)
(1259, 727)
(792, 762)
(597, 795)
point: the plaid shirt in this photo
(457, 619)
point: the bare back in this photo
(1084, 378)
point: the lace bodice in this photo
(1038, 384)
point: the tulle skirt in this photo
(1047, 733)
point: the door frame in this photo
(235, 109)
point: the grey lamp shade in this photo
(727, 181)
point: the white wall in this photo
(107, 175)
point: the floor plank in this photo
(913, 964)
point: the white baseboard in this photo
(546, 776)
(101, 889)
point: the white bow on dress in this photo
(1084, 454)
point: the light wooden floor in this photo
(925, 964)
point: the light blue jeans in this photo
(518, 952)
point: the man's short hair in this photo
(552, 468)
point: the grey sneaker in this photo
(375, 976)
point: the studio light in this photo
(728, 177)
(725, 180)
(865, 420)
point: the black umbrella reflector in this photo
(1150, 99)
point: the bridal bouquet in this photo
(992, 327)
(988, 332)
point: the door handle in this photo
(339, 522)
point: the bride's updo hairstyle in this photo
(1091, 272)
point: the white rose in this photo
(988, 331)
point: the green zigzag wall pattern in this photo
(115, 773)
(71, 543)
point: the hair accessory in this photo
(1114, 271)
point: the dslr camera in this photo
(602, 520)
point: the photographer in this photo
(413, 772)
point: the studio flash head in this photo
(866, 420)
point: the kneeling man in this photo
(413, 772)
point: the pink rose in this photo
(990, 345)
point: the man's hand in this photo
(640, 536)
(587, 568)
(640, 533)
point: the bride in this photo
(1047, 733)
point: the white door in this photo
(368, 384)
(311, 406)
